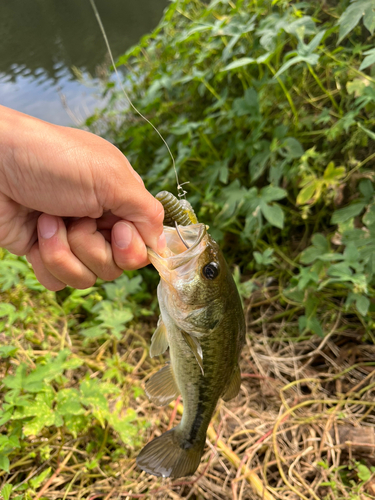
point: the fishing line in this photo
(180, 189)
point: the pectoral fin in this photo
(234, 385)
(161, 389)
(195, 346)
(159, 341)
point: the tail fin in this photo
(168, 456)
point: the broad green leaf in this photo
(272, 193)
(356, 87)
(363, 472)
(309, 255)
(7, 351)
(301, 27)
(6, 491)
(333, 173)
(307, 193)
(352, 15)
(273, 213)
(68, 402)
(122, 287)
(362, 303)
(233, 196)
(243, 61)
(320, 242)
(367, 189)
(315, 326)
(351, 253)
(292, 148)
(6, 309)
(116, 318)
(344, 214)
(5, 416)
(4, 462)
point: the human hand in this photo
(71, 202)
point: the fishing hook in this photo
(179, 234)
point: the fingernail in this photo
(47, 226)
(122, 234)
(162, 242)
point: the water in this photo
(42, 40)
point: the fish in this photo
(202, 322)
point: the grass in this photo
(302, 426)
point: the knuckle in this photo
(54, 260)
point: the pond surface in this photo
(42, 40)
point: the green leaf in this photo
(367, 131)
(366, 188)
(307, 193)
(243, 61)
(247, 105)
(344, 214)
(36, 482)
(273, 213)
(363, 472)
(4, 462)
(122, 287)
(292, 148)
(115, 319)
(362, 304)
(288, 64)
(369, 217)
(6, 491)
(6, 309)
(315, 326)
(272, 193)
(68, 402)
(320, 242)
(352, 15)
(7, 351)
(368, 60)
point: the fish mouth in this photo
(176, 255)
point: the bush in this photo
(268, 108)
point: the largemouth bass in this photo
(203, 324)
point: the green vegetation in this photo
(268, 108)
(269, 112)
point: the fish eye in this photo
(211, 271)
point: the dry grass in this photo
(303, 420)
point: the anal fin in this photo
(159, 340)
(161, 389)
(196, 348)
(233, 388)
